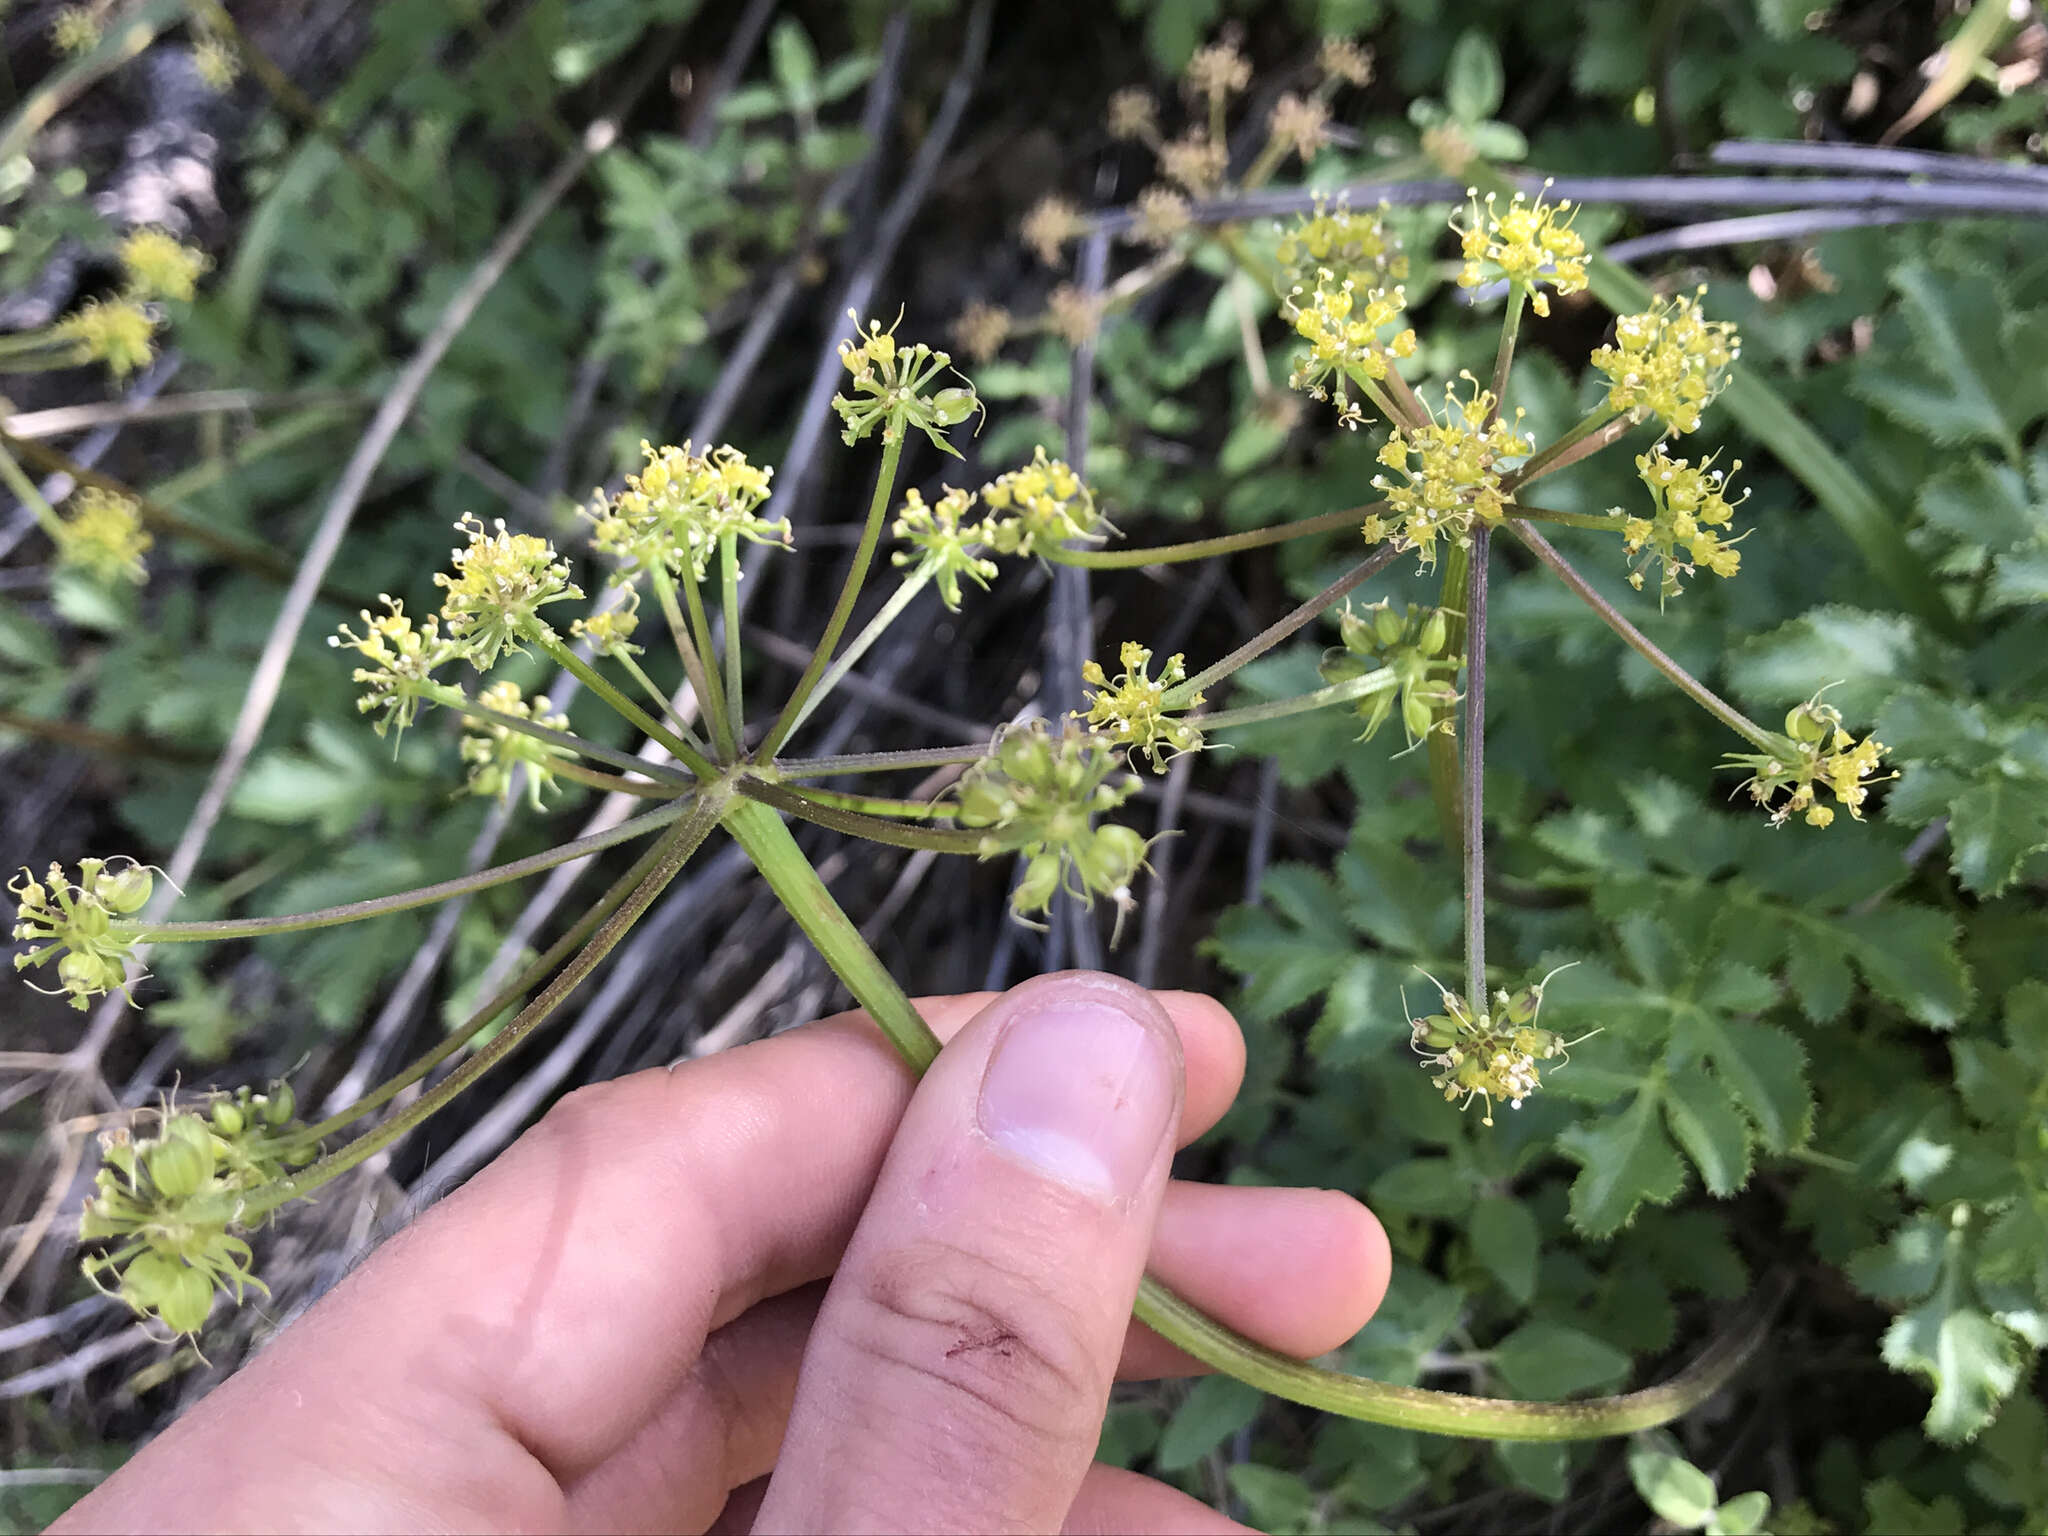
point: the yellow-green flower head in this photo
(1668, 362)
(1132, 709)
(1689, 525)
(1528, 243)
(610, 630)
(160, 267)
(1353, 245)
(1217, 70)
(1044, 503)
(218, 64)
(1411, 652)
(1037, 795)
(401, 661)
(117, 332)
(1343, 326)
(493, 750)
(1451, 472)
(82, 927)
(681, 506)
(1487, 1055)
(1050, 224)
(166, 1202)
(75, 29)
(502, 580)
(944, 546)
(893, 389)
(101, 533)
(1815, 753)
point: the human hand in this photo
(623, 1323)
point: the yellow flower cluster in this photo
(610, 630)
(1489, 1055)
(1044, 503)
(681, 505)
(944, 546)
(117, 332)
(1217, 70)
(493, 751)
(1668, 362)
(1819, 754)
(1342, 328)
(502, 580)
(1050, 224)
(1452, 472)
(1132, 709)
(160, 266)
(893, 389)
(102, 535)
(1357, 246)
(75, 30)
(1687, 530)
(80, 926)
(217, 61)
(401, 658)
(1528, 243)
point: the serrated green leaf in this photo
(1866, 655)
(1507, 1240)
(1428, 1186)
(1765, 1068)
(1897, 1513)
(1216, 1407)
(1820, 978)
(1625, 1160)
(1983, 504)
(1548, 1360)
(1994, 827)
(1706, 1123)
(1908, 956)
(1960, 385)
(1971, 1362)
(1905, 1266)
(2018, 580)
(1673, 1487)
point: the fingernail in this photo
(1082, 1091)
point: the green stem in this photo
(1504, 357)
(529, 977)
(462, 704)
(1474, 807)
(1552, 456)
(679, 631)
(729, 607)
(660, 699)
(1381, 681)
(406, 901)
(1203, 549)
(1595, 520)
(715, 706)
(875, 762)
(616, 784)
(768, 842)
(123, 41)
(637, 717)
(676, 845)
(1643, 646)
(1441, 749)
(871, 805)
(1183, 694)
(842, 611)
(859, 645)
(873, 829)
(30, 494)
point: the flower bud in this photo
(229, 1118)
(1111, 859)
(1522, 1006)
(1416, 714)
(1388, 625)
(1435, 633)
(178, 1169)
(128, 891)
(950, 407)
(279, 1104)
(1438, 1031)
(1039, 884)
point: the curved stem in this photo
(406, 901)
(676, 845)
(849, 594)
(1643, 646)
(1183, 693)
(789, 874)
(870, 632)
(1224, 544)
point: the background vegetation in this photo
(1824, 1056)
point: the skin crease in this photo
(610, 1327)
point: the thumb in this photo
(959, 1368)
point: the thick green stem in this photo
(1224, 544)
(676, 846)
(1347, 692)
(1183, 693)
(406, 901)
(1643, 646)
(768, 842)
(635, 716)
(870, 632)
(849, 594)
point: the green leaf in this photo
(1983, 504)
(1216, 1408)
(1276, 1500)
(1547, 1360)
(1542, 1469)
(1507, 1240)
(1909, 957)
(1971, 1361)
(1896, 1512)
(1625, 1159)
(1742, 1515)
(1705, 1122)
(1868, 655)
(1428, 1186)
(1961, 385)
(1905, 1266)
(1474, 81)
(1994, 828)
(1673, 1487)
(1765, 1068)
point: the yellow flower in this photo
(217, 63)
(1815, 753)
(1301, 123)
(681, 505)
(159, 267)
(1692, 514)
(1451, 472)
(1218, 71)
(1045, 502)
(1668, 362)
(401, 658)
(1352, 246)
(1527, 243)
(1162, 214)
(116, 332)
(1341, 59)
(1196, 161)
(75, 30)
(103, 536)
(1133, 114)
(494, 751)
(501, 582)
(944, 546)
(1342, 325)
(1050, 224)
(1132, 709)
(981, 330)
